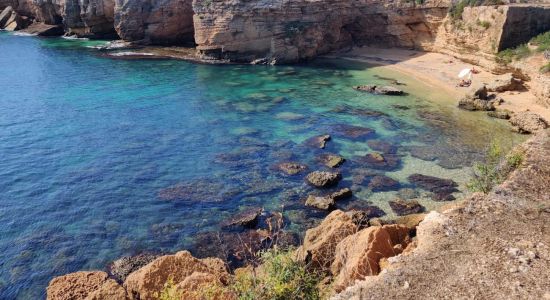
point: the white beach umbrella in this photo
(464, 73)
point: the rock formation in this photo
(181, 268)
(157, 22)
(359, 255)
(85, 285)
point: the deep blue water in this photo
(88, 144)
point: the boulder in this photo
(320, 202)
(328, 201)
(84, 285)
(149, 281)
(291, 168)
(478, 99)
(411, 220)
(320, 242)
(5, 15)
(528, 122)
(405, 207)
(359, 255)
(332, 160)
(365, 88)
(42, 29)
(122, 267)
(15, 22)
(478, 91)
(246, 218)
(504, 83)
(322, 179)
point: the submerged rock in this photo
(246, 218)
(528, 122)
(199, 190)
(405, 207)
(353, 132)
(319, 141)
(84, 285)
(291, 168)
(359, 255)
(382, 146)
(332, 160)
(380, 162)
(433, 184)
(122, 267)
(328, 201)
(383, 183)
(320, 202)
(500, 114)
(322, 179)
(381, 90)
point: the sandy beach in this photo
(440, 71)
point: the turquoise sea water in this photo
(89, 145)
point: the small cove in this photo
(91, 146)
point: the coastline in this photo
(440, 72)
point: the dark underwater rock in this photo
(199, 190)
(380, 90)
(246, 218)
(382, 146)
(405, 207)
(378, 161)
(383, 183)
(353, 132)
(322, 179)
(291, 168)
(318, 141)
(442, 189)
(122, 267)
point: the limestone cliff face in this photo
(287, 31)
(92, 18)
(483, 31)
(157, 22)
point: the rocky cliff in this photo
(287, 31)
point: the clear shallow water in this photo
(88, 146)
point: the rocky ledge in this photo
(491, 246)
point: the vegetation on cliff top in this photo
(457, 8)
(495, 169)
(540, 43)
(278, 277)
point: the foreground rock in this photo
(380, 90)
(528, 122)
(494, 238)
(359, 255)
(322, 179)
(85, 285)
(180, 268)
(320, 242)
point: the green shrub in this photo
(169, 292)
(542, 41)
(279, 277)
(494, 169)
(545, 68)
(484, 24)
(511, 54)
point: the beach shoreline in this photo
(439, 71)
